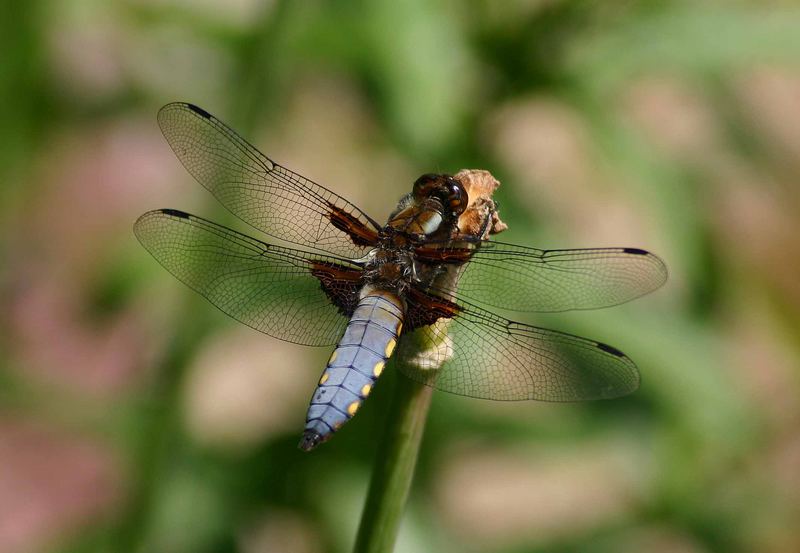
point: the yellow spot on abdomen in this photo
(324, 378)
(353, 407)
(366, 389)
(390, 347)
(333, 356)
(378, 368)
(399, 328)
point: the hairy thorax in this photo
(391, 265)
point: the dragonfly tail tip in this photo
(310, 440)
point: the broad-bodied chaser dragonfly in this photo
(366, 288)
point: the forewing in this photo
(286, 293)
(518, 278)
(482, 355)
(264, 194)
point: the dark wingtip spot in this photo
(310, 440)
(175, 213)
(635, 251)
(199, 111)
(609, 349)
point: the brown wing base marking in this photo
(340, 284)
(360, 234)
(425, 309)
(454, 256)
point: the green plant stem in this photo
(394, 467)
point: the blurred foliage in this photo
(136, 418)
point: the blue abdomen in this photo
(355, 365)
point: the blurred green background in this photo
(134, 417)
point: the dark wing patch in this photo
(283, 292)
(341, 284)
(263, 193)
(175, 213)
(610, 349)
(440, 255)
(199, 111)
(635, 251)
(424, 309)
(360, 234)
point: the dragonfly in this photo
(345, 281)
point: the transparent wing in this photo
(279, 291)
(262, 193)
(518, 278)
(486, 356)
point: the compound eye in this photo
(424, 185)
(457, 197)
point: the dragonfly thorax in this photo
(392, 266)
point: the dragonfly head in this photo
(445, 190)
